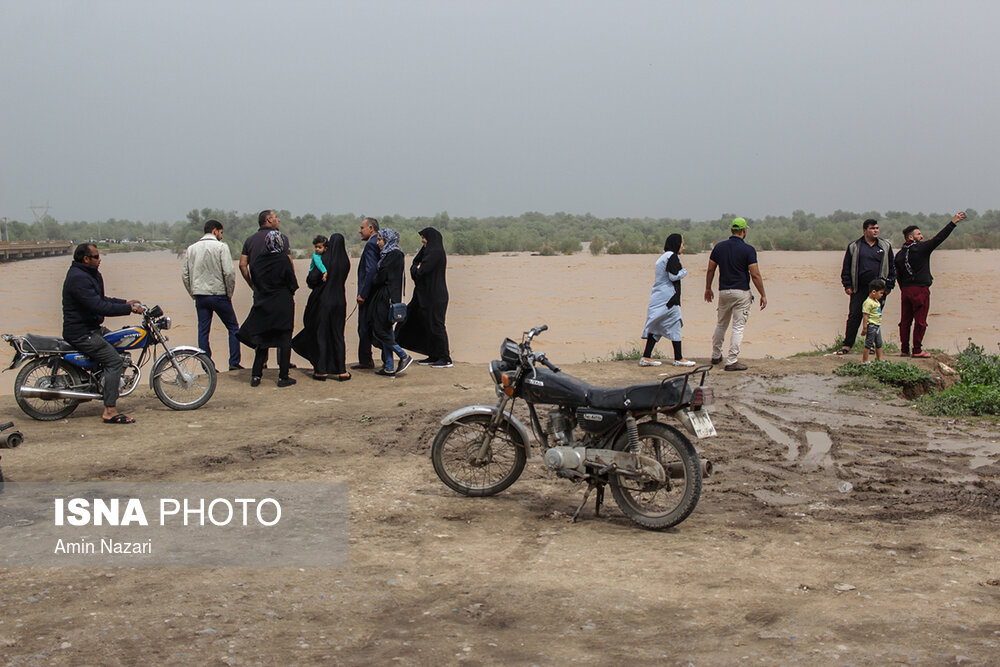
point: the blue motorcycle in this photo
(56, 377)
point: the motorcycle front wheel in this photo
(38, 374)
(650, 504)
(455, 454)
(187, 386)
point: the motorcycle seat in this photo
(641, 396)
(47, 343)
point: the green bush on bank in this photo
(976, 393)
(899, 374)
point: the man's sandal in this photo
(119, 419)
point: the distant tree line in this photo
(558, 233)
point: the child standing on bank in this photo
(871, 320)
(319, 247)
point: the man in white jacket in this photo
(210, 278)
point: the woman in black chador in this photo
(272, 316)
(321, 341)
(424, 329)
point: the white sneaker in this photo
(649, 362)
(683, 362)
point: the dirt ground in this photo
(776, 565)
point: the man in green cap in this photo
(737, 263)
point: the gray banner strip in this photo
(157, 524)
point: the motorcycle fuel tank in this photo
(128, 338)
(555, 388)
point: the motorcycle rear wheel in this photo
(188, 389)
(37, 373)
(458, 443)
(652, 505)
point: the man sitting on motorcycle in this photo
(84, 308)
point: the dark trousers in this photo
(364, 335)
(222, 306)
(94, 346)
(915, 303)
(284, 358)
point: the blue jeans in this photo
(387, 351)
(223, 307)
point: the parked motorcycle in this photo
(56, 378)
(602, 436)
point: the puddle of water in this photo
(981, 453)
(776, 434)
(818, 455)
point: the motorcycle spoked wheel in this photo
(652, 505)
(188, 389)
(457, 444)
(37, 373)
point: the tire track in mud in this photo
(849, 459)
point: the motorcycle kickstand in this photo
(591, 485)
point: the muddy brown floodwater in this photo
(839, 527)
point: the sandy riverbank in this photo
(776, 564)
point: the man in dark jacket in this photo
(84, 308)
(913, 268)
(866, 259)
(366, 272)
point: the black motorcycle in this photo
(602, 436)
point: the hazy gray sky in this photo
(145, 110)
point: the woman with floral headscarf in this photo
(387, 289)
(272, 316)
(663, 317)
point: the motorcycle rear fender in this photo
(20, 354)
(175, 350)
(488, 410)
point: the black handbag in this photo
(397, 311)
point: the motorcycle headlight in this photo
(163, 323)
(496, 369)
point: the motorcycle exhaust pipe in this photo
(676, 470)
(56, 394)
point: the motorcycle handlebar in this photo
(535, 331)
(548, 364)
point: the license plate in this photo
(701, 423)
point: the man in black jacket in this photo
(866, 259)
(913, 268)
(84, 308)
(366, 272)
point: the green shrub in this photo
(977, 367)
(960, 400)
(899, 374)
(976, 393)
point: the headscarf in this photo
(434, 247)
(390, 242)
(273, 242)
(336, 250)
(673, 243)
